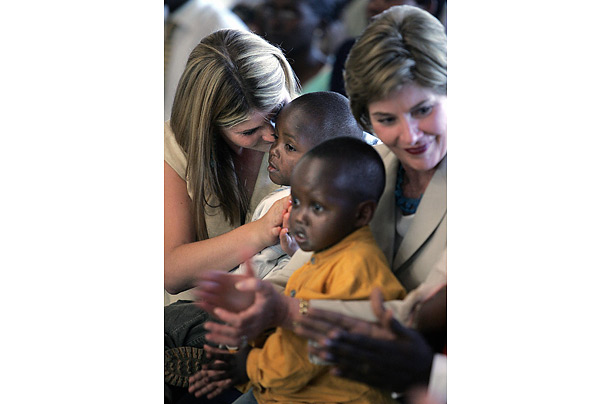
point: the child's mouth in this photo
(299, 236)
(271, 167)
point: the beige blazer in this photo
(426, 239)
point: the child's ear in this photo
(365, 212)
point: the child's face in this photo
(322, 215)
(289, 145)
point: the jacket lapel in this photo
(383, 222)
(430, 213)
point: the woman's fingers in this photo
(313, 328)
(377, 303)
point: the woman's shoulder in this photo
(173, 154)
(388, 157)
(382, 149)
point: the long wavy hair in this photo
(229, 74)
(401, 46)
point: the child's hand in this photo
(208, 382)
(287, 242)
(226, 370)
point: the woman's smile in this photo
(418, 149)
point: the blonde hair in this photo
(229, 74)
(401, 46)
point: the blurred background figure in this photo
(250, 13)
(186, 22)
(357, 14)
(308, 31)
(355, 18)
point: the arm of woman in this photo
(185, 259)
(384, 354)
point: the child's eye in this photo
(317, 207)
(295, 202)
(289, 147)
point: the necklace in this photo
(407, 205)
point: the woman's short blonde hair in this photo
(401, 46)
(229, 74)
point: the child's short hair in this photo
(358, 163)
(330, 114)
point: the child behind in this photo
(302, 124)
(335, 188)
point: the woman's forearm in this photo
(184, 263)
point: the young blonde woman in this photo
(215, 173)
(215, 165)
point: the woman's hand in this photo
(216, 292)
(227, 369)
(385, 354)
(318, 323)
(217, 289)
(270, 225)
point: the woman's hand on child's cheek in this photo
(271, 223)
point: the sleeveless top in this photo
(216, 224)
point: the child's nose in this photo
(300, 216)
(274, 149)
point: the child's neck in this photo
(339, 241)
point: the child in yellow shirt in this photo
(335, 188)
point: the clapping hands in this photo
(384, 354)
(227, 369)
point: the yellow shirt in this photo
(281, 372)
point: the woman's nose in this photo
(411, 132)
(268, 133)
